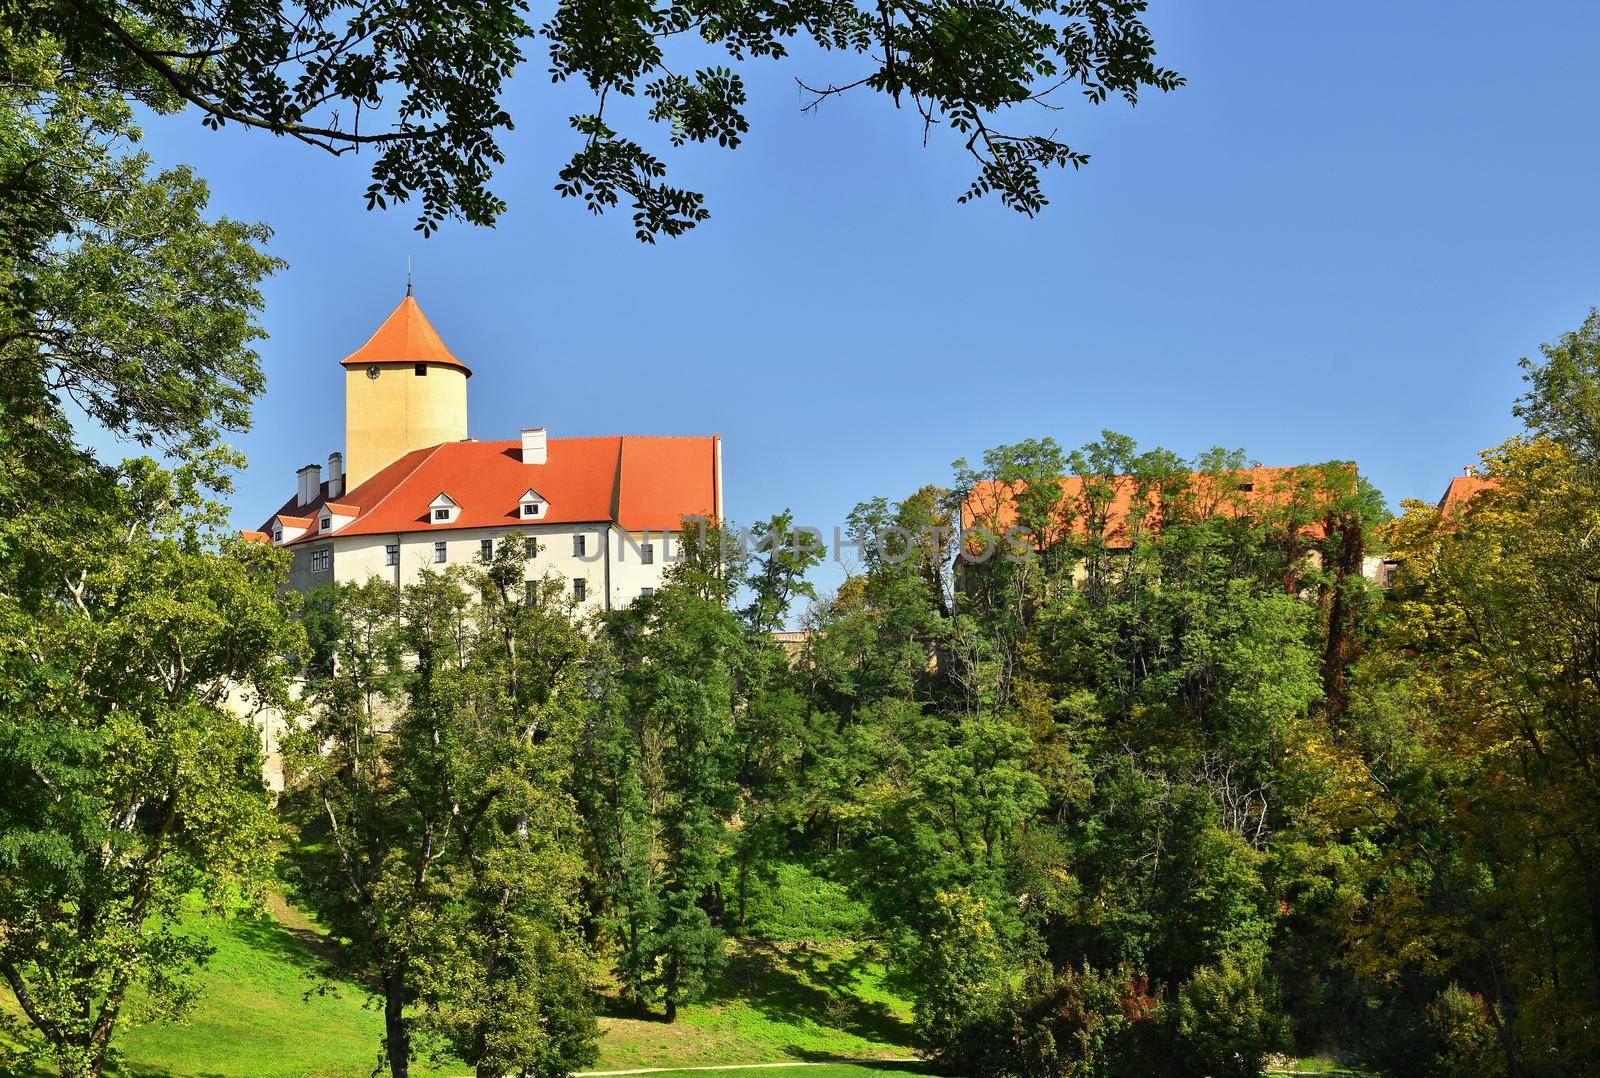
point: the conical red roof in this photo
(406, 336)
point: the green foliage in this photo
(957, 967)
(432, 792)
(1062, 775)
(128, 781)
(1078, 1022)
(1225, 1020)
(1563, 398)
(795, 904)
(778, 576)
(419, 87)
(659, 770)
(126, 615)
(120, 296)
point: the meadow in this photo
(265, 1008)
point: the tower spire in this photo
(408, 275)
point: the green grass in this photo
(773, 1002)
(828, 1070)
(252, 1017)
(1322, 1065)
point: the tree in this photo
(438, 832)
(121, 297)
(508, 986)
(129, 784)
(126, 612)
(1085, 745)
(1477, 721)
(372, 828)
(420, 85)
(687, 762)
(658, 766)
(778, 576)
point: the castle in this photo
(413, 491)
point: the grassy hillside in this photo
(774, 1001)
(255, 1019)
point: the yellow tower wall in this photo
(387, 417)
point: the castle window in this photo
(580, 588)
(421, 370)
(530, 547)
(391, 554)
(438, 552)
(645, 593)
(441, 514)
(486, 550)
(579, 545)
(647, 554)
(321, 560)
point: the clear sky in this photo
(1333, 243)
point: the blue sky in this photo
(1333, 243)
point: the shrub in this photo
(1460, 1037)
(1223, 1021)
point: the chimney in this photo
(310, 484)
(335, 475)
(534, 445)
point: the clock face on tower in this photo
(372, 371)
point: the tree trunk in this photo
(397, 1041)
(1336, 653)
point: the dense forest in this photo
(1165, 787)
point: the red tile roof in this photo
(992, 504)
(255, 537)
(638, 483)
(1461, 491)
(406, 336)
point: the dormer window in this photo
(531, 506)
(334, 516)
(286, 529)
(443, 509)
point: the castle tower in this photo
(403, 390)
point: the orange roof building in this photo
(1289, 493)
(601, 516)
(1463, 489)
